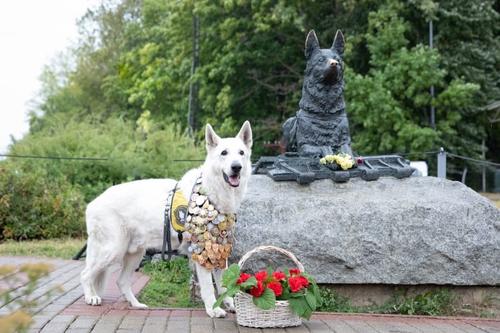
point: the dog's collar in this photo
(210, 231)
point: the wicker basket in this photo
(247, 314)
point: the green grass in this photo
(432, 303)
(53, 248)
(168, 285)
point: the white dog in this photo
(128, 218)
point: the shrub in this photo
(32, 205)
(147, 151)
(45, 198)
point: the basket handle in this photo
(269, 248)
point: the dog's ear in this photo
(312, 44)
(211, 139)
(245, 134)
(338, 43)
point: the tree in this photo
(387, 105)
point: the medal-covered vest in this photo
(210, 232)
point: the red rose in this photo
(304, 281)
(294, 271)
(296, 283)
(275, 287)
(279, 276)
(257, 290)
(243, 278)
(261, 276)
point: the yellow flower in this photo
(344, 160)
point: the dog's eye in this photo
(242, 152)
(224, 152)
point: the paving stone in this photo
(132, 323)
(297, 329)
(391, 326)
(488, 326)
(427, 327)
(107, 324)
(54, 328)
(467, 328)
(339, 326)
(84, 322)
(63, 319)
(67, 312)
(360, 326)
(177, 326)
(78, 330)
(225, 326)
(40, 321)
(273, 330)
(317, 326)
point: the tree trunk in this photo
(194, 86)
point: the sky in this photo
(32, 33)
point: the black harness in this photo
(167, 242)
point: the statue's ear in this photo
(338, 43)
(312, 44)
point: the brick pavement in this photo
(67, 312)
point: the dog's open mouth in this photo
(233, 180)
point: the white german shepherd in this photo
(128, 218)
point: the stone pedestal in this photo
(420, 230)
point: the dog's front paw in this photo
(139, 306)
(216, 313)
(93, 300)
(229, 304)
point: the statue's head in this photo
(324, 65)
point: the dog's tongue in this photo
(234, 180)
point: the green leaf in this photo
(307, 313)
(251, 282)
(231, 275)
(219, 300)
(316, 292)
(230, 292)
(311, 300)
(298, 305)
(266, 301)
(285, 295)
(269, 272)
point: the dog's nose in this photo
(333, 63)
(236, 167)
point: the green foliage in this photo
(387, 102)
(431, 303)
(132, 154)
(35, 205)
(45, 198)
(64, 248)
(436, 302)
(168, 284)
(333, 302)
